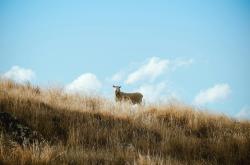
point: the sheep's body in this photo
(135, 98)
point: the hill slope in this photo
(88, 129)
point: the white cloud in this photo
(216, 93)
(151, 70)
(244, 113)
(86, 83)
(19, 74)
(156, 92)
(182, 62)
(118, 76)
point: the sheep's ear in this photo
(120, 86)
(113, 86)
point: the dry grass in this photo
(94, 130)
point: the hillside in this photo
(48, 126)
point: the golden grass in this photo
(94, 130)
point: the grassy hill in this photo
(71, 129)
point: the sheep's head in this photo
(117, 89)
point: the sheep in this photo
(134, 98)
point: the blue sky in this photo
(195, 51)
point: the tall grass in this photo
(95, 130)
